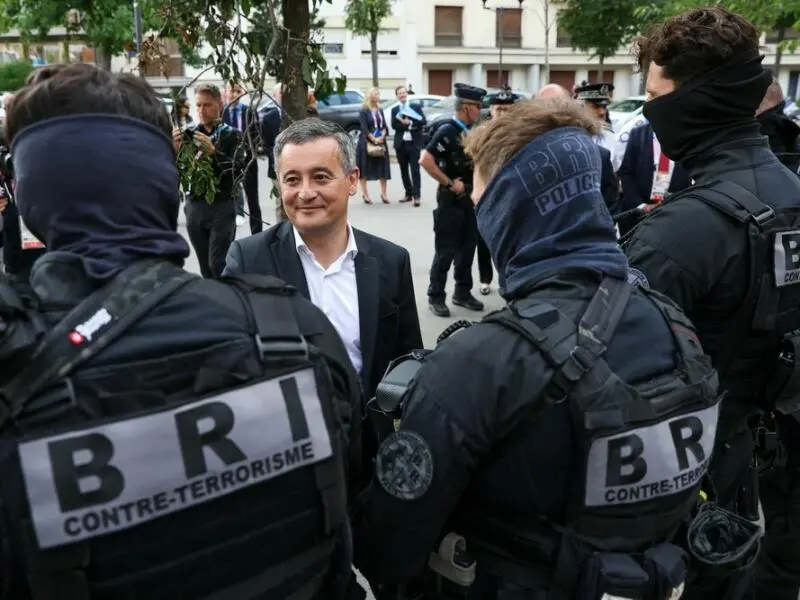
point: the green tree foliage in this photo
(364, 17)
(13, 74)
(766, 15)
(250, 40)
(599, 27)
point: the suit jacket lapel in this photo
(368, 286)
(287, 261)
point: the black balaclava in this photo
(711, 109)
(102, 187)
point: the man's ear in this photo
(352, 179)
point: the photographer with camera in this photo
(20, 246)
(211, 197)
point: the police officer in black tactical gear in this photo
(555, 449)
(454, 229)
(725, 251)
(781, 131)
(161, 435)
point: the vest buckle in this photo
(764, 216)
(276, 349)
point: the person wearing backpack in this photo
(534, 457)
(161, 435)
(725, 249)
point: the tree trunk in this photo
(373, 49)
(297, 21)
(65, 57)
(26, 49)
(102, 56)
(600, 70)
(778, 51)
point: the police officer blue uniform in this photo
(494, 453)
(455, 232)
(161, 435)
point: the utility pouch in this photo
(668, 566)
(723, 547)
(607, 576)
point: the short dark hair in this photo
(696, 42)
(75, 89)
(398, 88)
(210, 89)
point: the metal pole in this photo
(546, 42)
(137, 21)
(500, 69)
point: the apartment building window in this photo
(333, 41)
(174, 62)
(448, 25)
(509, 28)
(388, 44)
(562, 37)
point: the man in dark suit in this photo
(361, 282)
(408, 142)
(238, 115)
(647, 176)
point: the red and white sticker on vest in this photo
(29, 241)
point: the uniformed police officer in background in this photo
(454, 229)
(498, 105)
(162, 436)
(494, 452)
(782, 131)
(725, 250)
(596, 97)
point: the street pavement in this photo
(403, 224)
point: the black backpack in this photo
(239, 492)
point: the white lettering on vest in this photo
(99, 480)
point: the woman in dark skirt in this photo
(372, 151)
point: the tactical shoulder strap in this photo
(572, 354)
(740, 204)
(90, 327)
(268, 307)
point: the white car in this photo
(426, 100)
(622, 111)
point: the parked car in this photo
(622, 111)
(445, 108)
(426, 100)
(343, 109)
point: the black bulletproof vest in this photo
(763, 339)
(644, 448)
(217, 493)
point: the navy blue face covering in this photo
(103, 187)
(543, 212)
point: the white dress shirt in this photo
(334, 292)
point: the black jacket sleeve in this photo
(448, 425)
(628, 176)
(234, 261)
(609, 185)
(364, 122)
(397, 124)
(674, 248)
(230, 152)
(410, 333)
